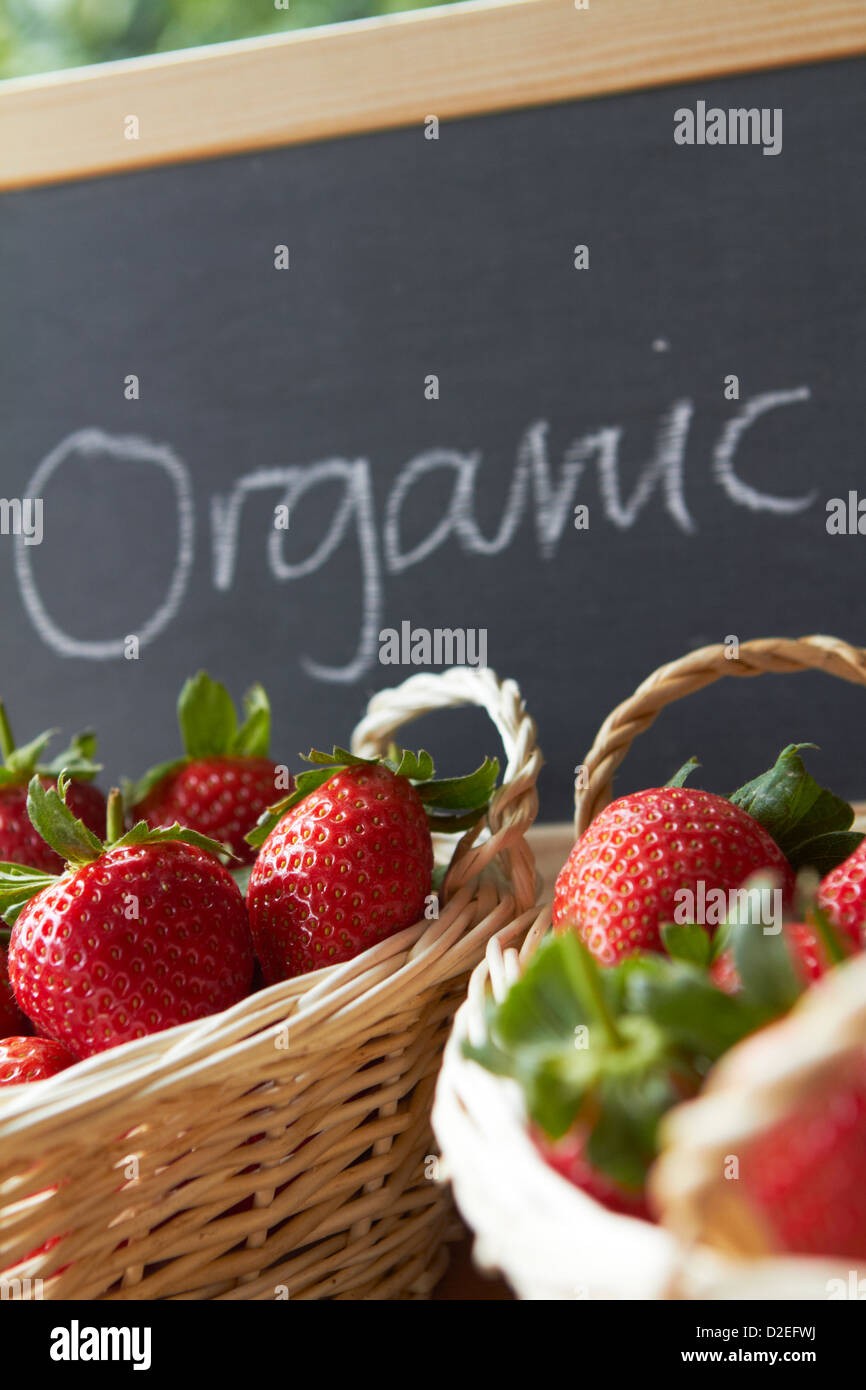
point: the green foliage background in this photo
(42, 35)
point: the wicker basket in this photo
(278, 1149)
(549, 1239)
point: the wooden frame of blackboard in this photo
(376, 74)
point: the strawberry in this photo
(31, 1059)
(842, 895)
(774, 960)
(138, 934)
(12, 1021)
(623, 877)
(789, 1104)
(636, 863)
(226, 780)
(812, 945)
(346, 859)
(809, 953)
(19, 842)
(805, 1177)
(567, 1156)
(602, 1054)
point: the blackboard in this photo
(411, 257)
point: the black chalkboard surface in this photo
(408, 259)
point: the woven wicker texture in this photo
(278, 1149)
(548, 1238)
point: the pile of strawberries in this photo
(171, 899)
(626, 1006)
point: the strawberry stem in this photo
(7, 742)
(830, 939)
(587, 982)
(114, 816)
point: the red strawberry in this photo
(808, 951)
(351, 865)
(347, 859)
(136, 936)
(31, 1059)
(219, 797)
(807, 1174)
(226, 780)
(568, 1157)
(19, 842)
(790, 1105)
(12, 1021)
(842, 895)
(621, 879)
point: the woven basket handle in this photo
(515, 802)
(778, 655)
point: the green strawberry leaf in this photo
(253, 738)
(610, 1049)
(688, 942)
(47, 809)
(824, 852)
(623, 1141)
(557, 1086)
(472, 792)
(762, 956)
(136, 792)
(18, 884)
(20, 763)
(206, 715)
(143, 834)
(679, 778)
(339, 758)
(7, 740)
(453, 804)
(533, 1033)
(543, 1008)
(721, 940)
(418, 767)
(23, 761)
(241, 877)
(71, 839)
(836, 949)
(682, 1000)
(790, 805)
(78, 759)
(209, 729)
(82, 745)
